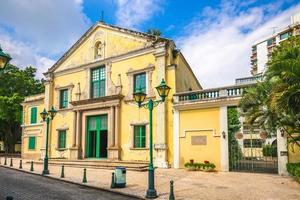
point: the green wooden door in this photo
(95, 127)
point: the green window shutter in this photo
(98, 82)
(62, 139)
(140, 82)
(63, 101)
(31, 143)
(33, 115)
(139, 136)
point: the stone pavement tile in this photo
(187, 184)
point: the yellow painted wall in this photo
(200, 122)
(116, 43)
(130, 113)
(34, 153)
(184, 77)
(36, 130)
(169, 110)
(64, 118)
(294, 156)
(27, 108)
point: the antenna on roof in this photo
(274, 29)
(102, 16)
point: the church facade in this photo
(91, 87)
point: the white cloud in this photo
(24, 55)
(37, 32)
(131, 13)
(219, 47)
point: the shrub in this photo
(294, 170)
(207, 166)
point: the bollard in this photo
(62, 175)
(113, 185)
(171, 196)
(31, 167)
(84, 176)
(11, 162)
(9, 198)
(20, 167)
(5, 161)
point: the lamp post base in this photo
(151, 194)
(45, 172)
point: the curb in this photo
(75, 183)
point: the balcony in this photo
(211, 94)
(248, 80)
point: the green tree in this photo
(154, 31)
(15, 84)
(275, 102)
(234, 126)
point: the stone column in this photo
(282, 153)
(160, 145)
(176, 142)
(224, 141)
(112, 126)
(79, 134)
(117, 125)
(113, 149)
(47, 102)
(74, 148)
(74, 128)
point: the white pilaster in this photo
(224, 141)
(176, 138)
(160, 143)
(282, 153)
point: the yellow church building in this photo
(91, 86)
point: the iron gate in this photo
(253, 155)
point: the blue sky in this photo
(215, 36)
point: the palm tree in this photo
(256, 108)
(284, 73)
(154, 31)
(275, 102)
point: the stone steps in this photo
(98, 164)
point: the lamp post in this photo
(4, 59)
(47, 116)
(139, 96)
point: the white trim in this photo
(224, 141)
(176, 138)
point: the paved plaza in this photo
(23, 186)
(188, 185)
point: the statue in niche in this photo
(99, 50)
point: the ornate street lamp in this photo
(139, 96)
(4, 59)
(47, 116)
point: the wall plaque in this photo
(199, 140)
(283, 153)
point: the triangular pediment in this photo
(100, 42)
